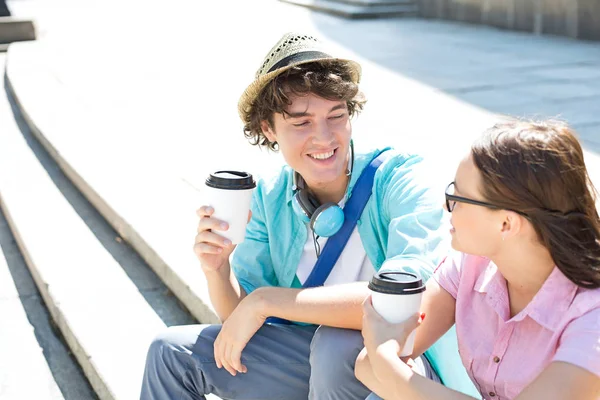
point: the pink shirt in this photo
(503, 355)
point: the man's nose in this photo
(323, 134)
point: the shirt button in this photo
(496, 359)
(492, 394)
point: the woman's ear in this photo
(268, 131)
(512, 225)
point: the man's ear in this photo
(268, 131)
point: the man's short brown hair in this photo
(331, 80)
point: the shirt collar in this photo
(550, 304)
(493, 284)
(547, 307)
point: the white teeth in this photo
(322, 156)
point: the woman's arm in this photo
(364, 373)
(439, 307)
(379, 367)
(400, 382)
(563, 381)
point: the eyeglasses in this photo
(452, 199)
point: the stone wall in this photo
(572, 18)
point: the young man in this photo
(301, 103)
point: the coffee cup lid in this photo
(230, 180)
(393, 282)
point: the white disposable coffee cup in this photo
(229, 193)
(396, 297)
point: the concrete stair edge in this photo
(366, 3)
(353, 11)
(198, 306)
(16, 30)
(83, 358)
(110, 377)
(13, 370)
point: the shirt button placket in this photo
(499, 348)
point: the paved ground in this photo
(170, 75)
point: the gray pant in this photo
(285, 362)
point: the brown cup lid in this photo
(392, 282)
(230, 180)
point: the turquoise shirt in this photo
(401, 220)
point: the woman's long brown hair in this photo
(538, 168)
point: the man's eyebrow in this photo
(306, 114)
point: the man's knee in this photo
(169, 349)
(332, 357)
(171, 369)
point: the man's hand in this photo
(212, 249)
(237, 330)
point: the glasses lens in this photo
(450, 203)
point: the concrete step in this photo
(66, 372)
(360, 9)
(151, 210)
(16, 30)
(375, 3)
(101, 314)
(70, 139)
(22, 357)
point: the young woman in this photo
(523, 284)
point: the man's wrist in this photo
(222, 272)
(261, 299)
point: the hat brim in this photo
(253, 90)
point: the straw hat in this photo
(291, 50)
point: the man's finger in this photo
(216, 352)
(236, 359)
(204, 211)
(226, 358)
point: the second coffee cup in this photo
(229, 193)
(396, 297)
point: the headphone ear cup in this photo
(303, 206)
(327, 220)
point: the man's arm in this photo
(224, 290)
(338, 305)
(415, 234)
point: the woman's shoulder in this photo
(586, 301)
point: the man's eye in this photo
(338, 116)
(302, 123)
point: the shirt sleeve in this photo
(251, 261)
(580, 343)
(415, 213)
(447, 274)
